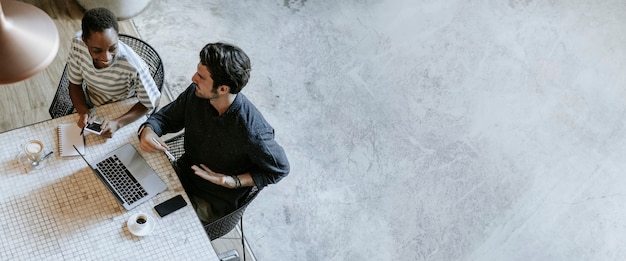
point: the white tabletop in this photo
(62, 211)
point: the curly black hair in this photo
(228, 65)
(98, 20)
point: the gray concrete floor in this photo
(426, 130)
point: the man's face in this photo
(102, 47)
(204, 83)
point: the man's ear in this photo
(223, 89)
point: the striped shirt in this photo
(126, 76)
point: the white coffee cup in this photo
(34, 151)
(141, 224)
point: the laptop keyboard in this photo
(120, 178)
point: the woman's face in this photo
(102, 47)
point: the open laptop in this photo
(128, 176)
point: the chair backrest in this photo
(62, 103)
(149, 55)
(225, 224)
(176, 145)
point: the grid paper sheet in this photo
(62, 211)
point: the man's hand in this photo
(214, 177)
(147, 141)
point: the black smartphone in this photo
(170, 205)
(95, 127)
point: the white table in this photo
(62, 211)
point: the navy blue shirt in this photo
(238, 141)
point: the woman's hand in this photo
(109, 127)
(82, 120)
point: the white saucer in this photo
(150, 225)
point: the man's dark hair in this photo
(98, 20)
(228, 65)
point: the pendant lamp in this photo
(29, 41)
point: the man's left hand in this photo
(214, 177)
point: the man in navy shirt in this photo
(229, 146)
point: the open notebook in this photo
(69, 136)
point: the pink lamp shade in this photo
(29, 41)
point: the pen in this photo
(169, 155)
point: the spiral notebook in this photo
(69, 136)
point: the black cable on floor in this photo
(243, 245)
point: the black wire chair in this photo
(62, 103)
(225, 224)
